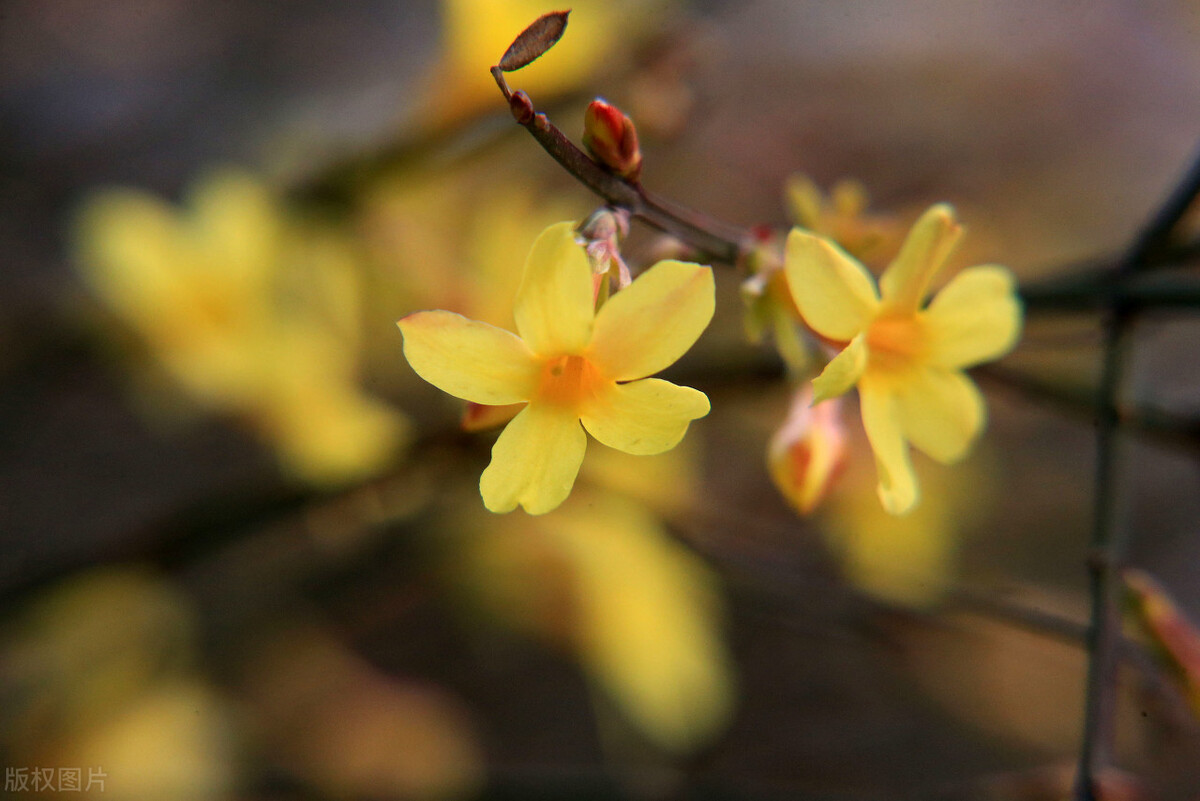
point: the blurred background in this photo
(242, 550)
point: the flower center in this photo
(568, 380)
(895, 341)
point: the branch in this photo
(1109, 542)
(724, 246)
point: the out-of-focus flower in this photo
(567, 366)
(250, 312)
(842, 216)
(906, 359)
(98, 673)
(602, 579)
(337, 722)
(806, 454)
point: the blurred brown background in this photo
(184, 613)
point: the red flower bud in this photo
(612, 140)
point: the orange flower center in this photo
(895, 341)
(568, 380)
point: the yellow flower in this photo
(570, 365)
(251, 312)
(906, 358)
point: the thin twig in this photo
(1164, 428)
(727, 246)
(1149, 291)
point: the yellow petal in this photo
(975, 318)
(842, 372)
(132, 249)
(554, 308)
(651, 323)
(805, 201)
(647, 623)
(834, 293)
(941, 412)
(933, 237)
(897, 484)
(236, 218)
(326, 434)
(469, 360)
(644, 417)
(535, 461)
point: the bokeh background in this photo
(242, 553)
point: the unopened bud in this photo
(1175, 637)
(807, 453)
(612, 139)
(602, 231)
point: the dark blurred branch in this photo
(1100, 285)
(1109, 541)
(1164, 428)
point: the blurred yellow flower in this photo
(640, 611)
(250, 312)
(841, 216)
(907, 359)
(571, 364)
(101, 672)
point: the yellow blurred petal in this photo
(332, 435)
(897, 483)
(843, 371)
(805, 201)
(665, 483)
(554, 307)
(128, 246)
(235, 217)
(790, 341)
(905, 282)
(833, 292)
(849, 198)
(908, 559)
(644, 417)
(171, 742)
(974, 318)
(941, 412)
(651, 323)
(535, 461)
(468, 359)
(648, 623)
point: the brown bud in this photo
(612, 139)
